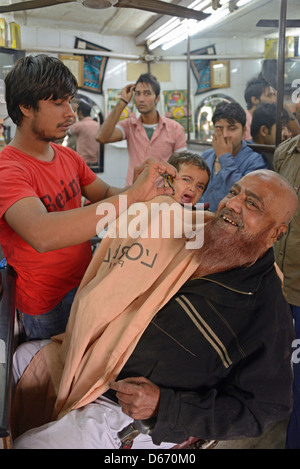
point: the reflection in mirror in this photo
(254, 44)
(204, 113)
(96, 114)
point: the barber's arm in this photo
(46, 231)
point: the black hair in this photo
(150, 80)
(255, 87)
(231, 112)
(177, 159)
(265, 114)
(35, 78)
(84, 108)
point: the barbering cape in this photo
(130, 278)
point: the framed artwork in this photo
(94, 66)
(15, 35)
(112, 98)
(201, 69)
(219, 72)
(75, 65)
(175, 103)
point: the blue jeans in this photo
(293, 431)
(44, 326)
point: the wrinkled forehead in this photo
(260, 183)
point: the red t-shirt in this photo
(43, 279)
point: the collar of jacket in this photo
(236, 283)
(295, 145)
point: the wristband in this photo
(122, 99)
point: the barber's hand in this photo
(144, 187)
(127, 92)
(138, 397)
(220, 144)
(139, 169)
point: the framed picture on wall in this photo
(219, 72)
(94, 66)
(175, 104)
(75, 64)
(201, 69)
(112, 98)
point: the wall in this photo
(116, 156)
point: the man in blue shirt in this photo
(230, 158)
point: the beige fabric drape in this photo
(127, 282)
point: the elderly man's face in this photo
(248, 221)
(252, 208)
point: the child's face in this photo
(191, 185)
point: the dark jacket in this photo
(220, 351)
(287, 250)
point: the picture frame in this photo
(219, 73)
(175, 107)
(201, 68)
(75, 65)
(94, 66)
(112, 97)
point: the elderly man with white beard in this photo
(214, 362)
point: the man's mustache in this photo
(231, 217)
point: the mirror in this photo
(203, 116)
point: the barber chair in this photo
(132, 430)
(7, 320)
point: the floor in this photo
(273, 438)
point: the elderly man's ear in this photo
(281, 230)
(277, 234)
(281, 234)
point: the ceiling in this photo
(132, 22)
(108, 21)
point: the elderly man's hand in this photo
(138, 397)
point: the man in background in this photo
(149, 136)
(85, 130)
(230, 158)
(257, 91)
(287, 256)
(263, 128)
